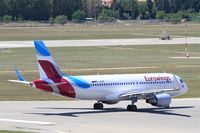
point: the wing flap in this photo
(145, 93)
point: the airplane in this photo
(156, 88)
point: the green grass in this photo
(76, 61)
(83, 31)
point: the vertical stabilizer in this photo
(46, 65)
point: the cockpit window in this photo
(181, 80)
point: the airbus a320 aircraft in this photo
(156, 88)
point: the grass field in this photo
(101, 60)
(99, 31)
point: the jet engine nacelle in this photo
(160, 100)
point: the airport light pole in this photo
(186, 41)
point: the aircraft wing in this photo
(144, 94)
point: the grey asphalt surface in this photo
(79, 117)
(100, 42)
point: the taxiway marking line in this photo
(29, 122)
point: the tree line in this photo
(48, 10)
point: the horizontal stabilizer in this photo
(19, 81)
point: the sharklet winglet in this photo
(19, 75)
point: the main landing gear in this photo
(132, 107)
(98, 105)
(167, 107)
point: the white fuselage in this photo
(110, 87)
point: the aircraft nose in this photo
(184, 88)
(182, 85)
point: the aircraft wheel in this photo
(131, 108)
(98, 106)
(101, 105)
(167, 107)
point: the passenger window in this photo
(181, 80)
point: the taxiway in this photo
(79, 117)
(100, 42)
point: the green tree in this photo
(51, 20)
(45, 9)
(78, 16)
(130, 7)
(107, 15)
(164, 5)
(92, 7)
(7, 18)
(151, 8)
(126, 16)
(61, 19)
(3, 7)
(29, 9)
(174, 18)
(173, 6)
(19, 19)
(126, 7)
(66, 7)
(143, 10)
(184, 14)
(160, 15)
(41, 10)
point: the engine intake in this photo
(160, 100)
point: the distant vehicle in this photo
(156, 88)
(166, 36)
(89, 19)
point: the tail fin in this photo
(46, 65)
